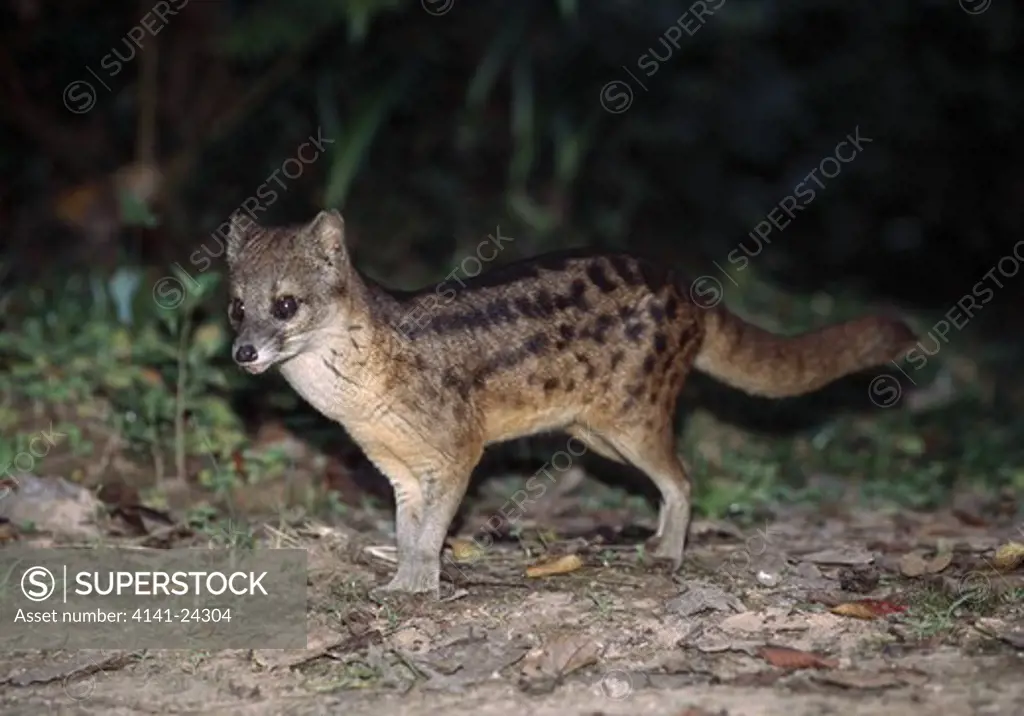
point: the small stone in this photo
(699, 598)
(767, 579)
(858, 579)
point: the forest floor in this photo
(805, 611)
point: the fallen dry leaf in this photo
(542, 668)
(75, 669)
(855, 610)
(320, 641)
(465, 550)
(129, 515)
(914, 564)
(940, 561)
(563, 565)
(857, 679)
(1009, 556)
(786, 658)
(704, 597)
(867, 609)
(969, 517)
(850, 556)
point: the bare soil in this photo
(758, 622)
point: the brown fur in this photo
(596, 345)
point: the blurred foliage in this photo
(153, 367)
(443, 115)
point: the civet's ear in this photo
(328, 230)
(240, 227)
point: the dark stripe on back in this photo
(597, 275)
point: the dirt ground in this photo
(806, 611)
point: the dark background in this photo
(450, 119)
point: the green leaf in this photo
(267, 31)
(119, 380)
(540, 220)
(482, 83)
(570, 149)
(360, 14)
(214, 413)
(208, 340)
(135, 212)
(485, 78)
(353, 143)
(202, 285)
(523, 125)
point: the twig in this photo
(408, 663)
(492, 583)
(105, 456)
(158, 462)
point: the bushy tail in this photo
(758, 362)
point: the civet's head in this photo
(285, 286)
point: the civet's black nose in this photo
(246, 353)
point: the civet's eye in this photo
(284, 308)
(236, 312)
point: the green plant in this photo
(353, 141)
(155, 367)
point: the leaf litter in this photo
(842, 583)
(790, 659)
